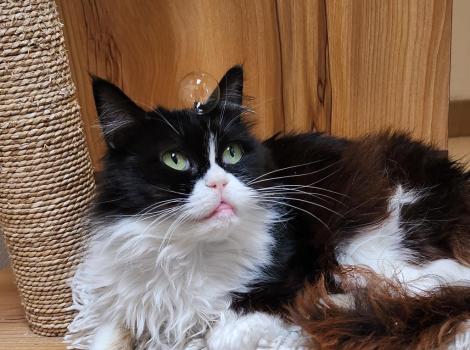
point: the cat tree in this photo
(46, 178)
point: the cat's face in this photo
(178, 167)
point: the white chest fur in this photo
(164, 293)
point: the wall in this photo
(460, 57)
(459, 108)
(347, 67)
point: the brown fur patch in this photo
(124, 342)
(383, 316)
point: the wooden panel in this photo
(147, 46)
(304, 62)
(389, 66)
(459, 118)
(343, 66)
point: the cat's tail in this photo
(382, 316)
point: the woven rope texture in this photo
(46, 178)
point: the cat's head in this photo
(180, 168)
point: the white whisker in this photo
(297, 191)
(305, 186)
(170, 191)
(295, 175)
(166, 121)
(297, 208)
(302, 200)
(286, 168)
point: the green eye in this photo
(175, 160)
(232, 154)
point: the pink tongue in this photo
(223, 207)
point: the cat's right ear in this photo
(117, 113)
(231, 87)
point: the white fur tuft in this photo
(110, 337)
(382, 249)
(245, 332)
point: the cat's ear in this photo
(117, 113)
(231, 87)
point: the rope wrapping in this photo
(46, 177)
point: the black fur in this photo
(362, 175)
(134, 175)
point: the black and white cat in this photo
(200, 230)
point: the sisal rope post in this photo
(46, 178)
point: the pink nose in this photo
(216, 184)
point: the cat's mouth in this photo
(223, 209)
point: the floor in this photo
(14, 332)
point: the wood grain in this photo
(147, 47)
(306, 88)
(348, 67)
(14, 331)
(389, 66)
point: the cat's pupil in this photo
(232, 152)
(174, 158)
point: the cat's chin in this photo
(216, 227)
(221, 220)
(223, 211)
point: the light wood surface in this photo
(347, 67)
(147, 47)
(14, 331)
(389, 66)
(306, 88)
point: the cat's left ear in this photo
(231, 87)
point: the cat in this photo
(200, 230)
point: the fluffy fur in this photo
(237, 332)
(155, 266)
(164, 295)
(365, 243)
(382, 316)
(382, 248)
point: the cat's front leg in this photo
(112, 337)
(235, 332)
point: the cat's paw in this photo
(236, 332)
(111, 337)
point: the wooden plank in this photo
(306, 88)
(14, 331)
(389, 66)
(459, 118)
(147, 47)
